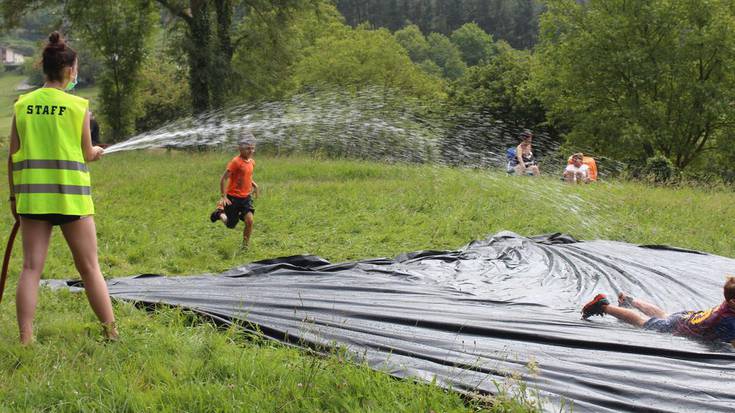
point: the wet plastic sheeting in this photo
(479, 315)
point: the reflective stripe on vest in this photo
(52, 189)
(49, 164)
(49, 172)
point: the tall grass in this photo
(152, 216)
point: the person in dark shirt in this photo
(94, 129)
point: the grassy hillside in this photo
(153, 212)
(8, 82)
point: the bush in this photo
(164, 95)
(658, 169)
(32, 68)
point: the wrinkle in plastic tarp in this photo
(497, 312)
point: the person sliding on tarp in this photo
(237, 201)
(715, 324)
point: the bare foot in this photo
(625, 300)
(109, 331)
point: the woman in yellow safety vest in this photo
(50, 144)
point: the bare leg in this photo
(248, 228)
(535, 170)
(647, 308)
(520, 170)
(624, 314)
(36, 237)
(569, 177)
(81, 236)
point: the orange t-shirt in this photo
(241, 177)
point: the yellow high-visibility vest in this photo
(50, 175)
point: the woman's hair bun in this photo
(56, 56)
(55, 38)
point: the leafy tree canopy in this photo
(445, 54)
(363, 57)
(636, 79)
(473, 43)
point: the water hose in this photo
(6, 260)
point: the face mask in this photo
(70, 86)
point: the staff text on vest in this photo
(45, 110)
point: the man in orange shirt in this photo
(237, 200)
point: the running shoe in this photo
(595, 307)
(217, 212)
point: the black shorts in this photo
(237, 210)
(53, 219)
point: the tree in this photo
(411, 38)
(500, 87)
(210, 56)
(473, 43)
(445, 54)
(636, 79)
(515, 21)
(163, 97)
(265, 59)
(118, 31)
(358, 58)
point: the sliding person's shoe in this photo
(595, 307)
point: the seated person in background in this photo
(577, 172)
(591, 164)
(94, 129)
(524, 163)
(714, 324)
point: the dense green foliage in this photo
(515, 21)
(500, 87)
(211, 38)
(265, 62)
(474, 44)
(357, 58)
(164, 93)
(119, 31)
(635, 79)
(623, 80)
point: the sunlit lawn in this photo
(152, 216)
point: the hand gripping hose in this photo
(6, 260)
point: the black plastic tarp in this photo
(492, 313)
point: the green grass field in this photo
(152, 216)
(8, 82)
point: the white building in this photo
(10, 57)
